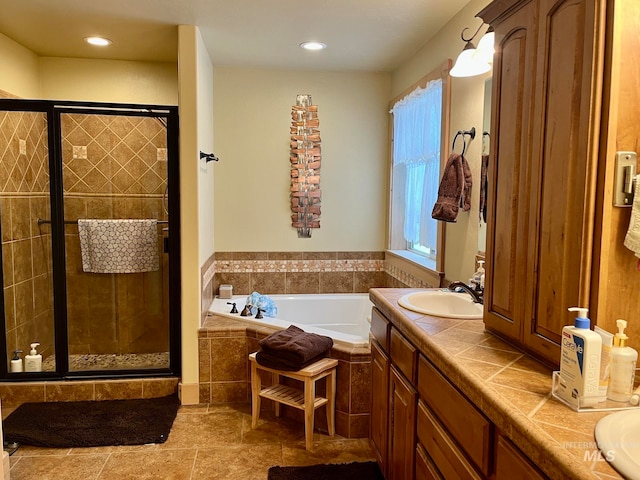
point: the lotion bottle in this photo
(580, 362)
(33, 361)
(16, 361)
(623, 366)
(478, 276)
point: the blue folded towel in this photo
(263, 302)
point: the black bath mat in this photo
(339, 471)
(92, 423)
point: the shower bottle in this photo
(33, 361)
(16, 361)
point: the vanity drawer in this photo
(425, 469)
(380, 328)
(466, 424)
(403, 355)
(444, 452)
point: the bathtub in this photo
(344, 317)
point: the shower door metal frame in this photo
(53, 111)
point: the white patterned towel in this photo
(118, 246)
(632, 239)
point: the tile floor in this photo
(206, 442)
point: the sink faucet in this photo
(476, 293)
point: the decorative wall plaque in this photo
(305, 166)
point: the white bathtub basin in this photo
(618, 437)
(442, 304)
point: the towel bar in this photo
(471, 133)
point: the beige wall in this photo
(205, 144)
(19, 74)
(252, 117)
(466, 111)
(120, 81)
(196, 184)
(27, 75)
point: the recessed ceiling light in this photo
(313, 45)
(98, 41)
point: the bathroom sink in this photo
(618, 437)
(442, 303)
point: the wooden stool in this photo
(304, 400)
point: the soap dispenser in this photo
(478, 276)
(581, 347)
(33, 361)
(16, 361)
(623, 366)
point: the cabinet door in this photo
(508, 175)
(562, 194)
(511, 463)
(402, 428)
(379, 404)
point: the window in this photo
(420, 122)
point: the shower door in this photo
(98, 231)
(27, 300)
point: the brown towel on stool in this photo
(294, 348)
(454, 190)
(275, 361)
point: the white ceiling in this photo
(367, 35)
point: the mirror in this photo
(486, 143)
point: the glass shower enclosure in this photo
(88, 262)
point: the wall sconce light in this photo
(305, 166)
(474, 61)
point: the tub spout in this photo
(246, 311)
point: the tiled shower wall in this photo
(26, 247)
(115, 167)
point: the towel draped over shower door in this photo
(119, 246)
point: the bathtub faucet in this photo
(259, 314)
(233, 307)
(476, 293)
(246, 311)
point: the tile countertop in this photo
(512, 389)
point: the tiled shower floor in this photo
(206, 442)
(92, 361)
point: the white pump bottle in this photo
(580, 361)
(33, 361)
(623, 366)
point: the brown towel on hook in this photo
(484, 185)
(454, 190)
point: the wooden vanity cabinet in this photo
(393, 399)
(543, 166)
(379, 428)
(402, 427)
(423, 427)
(512, 463)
